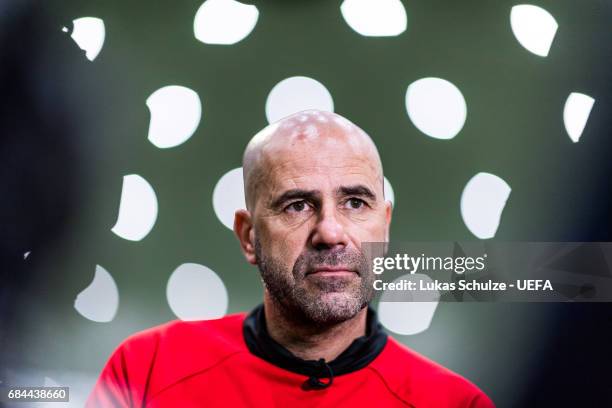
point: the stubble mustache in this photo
(311, 261)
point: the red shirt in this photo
(207, 364)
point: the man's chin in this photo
(333, 307)
(341, 283)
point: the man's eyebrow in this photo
(294, 193)
(356, 190)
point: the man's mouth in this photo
(332, 271)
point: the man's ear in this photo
(243, 228)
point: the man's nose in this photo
(329, 231)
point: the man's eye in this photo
(355, 203)
(297, 206)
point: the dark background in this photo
(72, 128)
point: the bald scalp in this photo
(308, 131)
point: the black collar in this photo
(358, 355)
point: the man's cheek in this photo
(290, 247)
(376, 230)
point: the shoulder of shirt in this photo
(411, 377)
(175, 350)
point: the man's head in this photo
(314, 192)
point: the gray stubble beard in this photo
(290, 291)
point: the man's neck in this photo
(310, 342)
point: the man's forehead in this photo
(289, 173)
(319, 178)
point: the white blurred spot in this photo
(436, 107)
(389, 195)
(26, 254)
(576, 113)
(228, 196)
(412, 316)
(100, 300)
(195, 292)
(533, 27)
(224, 21)
(137, 210)
(175, 115)
(89, 34)
(375, 18)
(295, 94)
(482, 203)
(65, 29)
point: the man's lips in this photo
(330, 271)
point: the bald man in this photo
(314, 192)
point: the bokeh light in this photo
(196, 292)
